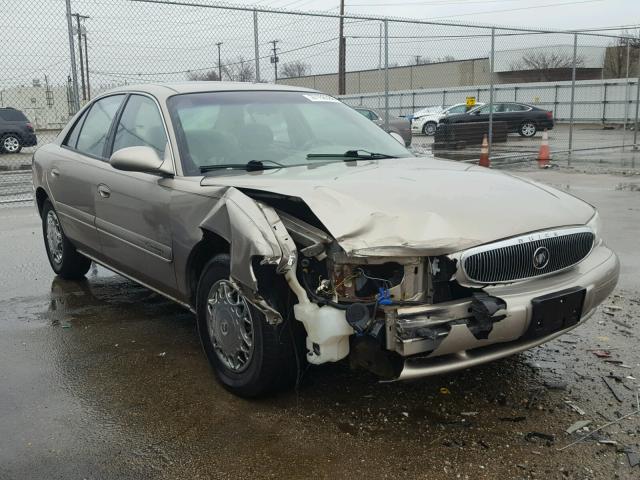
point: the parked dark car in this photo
(15, 131)
(400, 126)
(519, 117)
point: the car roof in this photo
(164, 90)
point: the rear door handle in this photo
(104, 191)
(55, 172)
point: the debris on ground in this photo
(579, 425)
(575, 407)
(445, 391)
(162, 354)
(610, 385)
(633, 457)
(602, 353)
(534, 436)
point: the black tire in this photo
(10, 143)
(66, 262)
(528, 129)
(272, 364)
(429, 128)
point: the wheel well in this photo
(210, 245)
(16, 134)
(41, 196)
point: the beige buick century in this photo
(298, 231)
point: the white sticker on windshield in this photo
(320, 97)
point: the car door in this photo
(515, 114)
(132, 208)
(74, 172)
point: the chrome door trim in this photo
(147, 245)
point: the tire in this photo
(247, 370)
(10, 143)
(65, 260)
(527, 129)
(429, 128)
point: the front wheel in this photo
(429, 128)
(250, 357)
(11, 143)
(527, 129)
(65, 260)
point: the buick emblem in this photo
(541, 258)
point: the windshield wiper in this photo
(352, 154)
(250, 166)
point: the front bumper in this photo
(597, 274)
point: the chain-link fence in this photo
(59, 54)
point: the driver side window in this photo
(140, 125)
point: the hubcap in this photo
(11, 144)
(528, 129)
(430, 128)
(230, 326)
(54, 237)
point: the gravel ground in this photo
(103, 379)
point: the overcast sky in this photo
(131, 41)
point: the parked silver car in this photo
(279, 214)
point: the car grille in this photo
(513, 259)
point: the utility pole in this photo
(79, 31)
(418, 57)
(219, 62)
(341, 53)
(86, 59)
(275, 59)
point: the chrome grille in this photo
(513, 259)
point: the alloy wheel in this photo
(11, 144)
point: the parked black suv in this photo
(15, 131)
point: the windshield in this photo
(284, 128)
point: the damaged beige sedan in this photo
(298, 231)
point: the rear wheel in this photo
(429, 128)
(63, 256)
(527, 129)
(11, 143)
(250, 357)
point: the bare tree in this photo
(239, 70)
(615, 56)
(546, 62)
(295, 68)
(207, 75)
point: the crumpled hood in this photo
(416, 206)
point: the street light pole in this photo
(86, 59)
(219, 62)
(275, 59)
(341, 53)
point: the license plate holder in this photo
(555, 311)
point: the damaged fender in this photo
(252, 229)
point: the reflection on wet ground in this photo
(105, 379)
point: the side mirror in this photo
(138, 159)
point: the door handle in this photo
(104, 191)
(55, 172)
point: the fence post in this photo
(255, 44)
(635, 125)
(491, 67)
(72, 53)
(573, 94)
(386, 74)
(626, 99)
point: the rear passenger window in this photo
(140, 125)
(97, 124)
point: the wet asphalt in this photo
(103, 379)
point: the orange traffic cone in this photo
(544, 156)
(484, 153)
